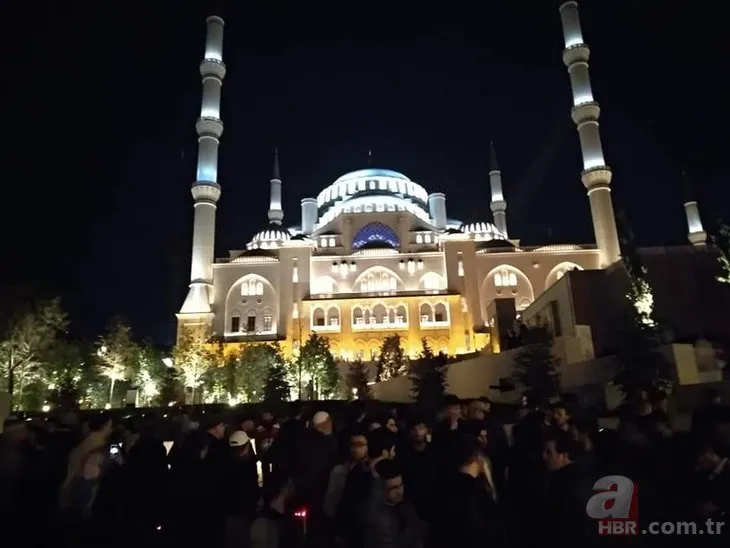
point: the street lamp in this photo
(168, 362)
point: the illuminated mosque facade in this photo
(376, 254)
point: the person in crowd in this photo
(713, 485)
(391, 520)
(420, 470)
(266, 432)
(316, 455)
(243, 492)
(349, 485)
(467, 513)
(566, 522)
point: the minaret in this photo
(696, 235)
(205, 190)
(499, 204)
(276, 214)
(596, 174)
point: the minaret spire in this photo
(205, 190)
(596, 174)
(499, 204)
(696, 233)
(276, 214)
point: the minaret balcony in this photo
(597, 177)
(213, 67)
(576, 53)
(209, 125)
(206, 191)
(585, 112)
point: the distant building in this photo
(375, 253)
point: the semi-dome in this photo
(482, 231)
(269, 238)
(372, 190)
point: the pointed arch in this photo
(324, 285)
(559, 271)
(431, 280)
(376, 279)
(507, 281)
(253, 299)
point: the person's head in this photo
(215, 426)
(358, 446)
(381, 444)
(391, 425)
(392, 481)
(478, 410)
(246, 424)
(267, 418)
(101, 423)
(322, 421)
(468, 455)
(451, 408)
(240, 444)
(560, 415)
(417, 431)
(558, 450)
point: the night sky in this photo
(101, 148)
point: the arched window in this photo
(377, 279)
(251, 288)
(375, 232)
(504, 278)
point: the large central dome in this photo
(381, 188)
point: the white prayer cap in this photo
(239, 438)
(320, 417)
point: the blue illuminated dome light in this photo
(375, 232)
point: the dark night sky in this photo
(100, 109)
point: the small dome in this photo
(269, 238)
(482, 228)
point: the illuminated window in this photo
(505, 278)
(461, 268)
(235, 324)
(323, 242)
(375, 232)
(268, 320)
(419, 239)
(379, 281)
(427, 238)
(332, 242)
(295, 274)
(252, 288)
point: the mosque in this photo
(375, 254)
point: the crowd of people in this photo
(368, 477)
